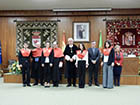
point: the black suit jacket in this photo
(94, 56)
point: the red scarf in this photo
(37, 52)
(81, 55)
(107, 51)
(46, 52)
(25, 52)
(58, 53)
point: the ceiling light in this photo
(80, 9)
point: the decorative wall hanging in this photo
(33, 32)
(126, 33)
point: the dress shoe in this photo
(24, 85)
(81, 87)
(74, 85)
(110, 88)
(68, 85)
(55, 86)
(42, 84)
(97, 84)
(35, 84)
(47, 86)
(28, 85)
(89, 84)
(118, 84)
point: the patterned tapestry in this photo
(126, 33)
(33, 32)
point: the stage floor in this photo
(15, 94)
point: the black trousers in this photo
(47, 73)
(81, 73)
(93, 69)
(56, 72)
(25, 74)
(116, 74)
(70, 80)
(38, 72)
(71, 73)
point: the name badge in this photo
(47, 60)
(36, 59)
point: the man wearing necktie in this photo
(94, 56)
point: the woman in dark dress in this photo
(118, 65)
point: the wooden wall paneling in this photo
(8, 28)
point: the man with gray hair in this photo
(94, 56)
(70, 57)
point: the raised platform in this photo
(129, 74)
(125, 79)
(12, 78)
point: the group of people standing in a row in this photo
(47, 63)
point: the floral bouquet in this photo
(15, 68)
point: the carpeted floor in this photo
(15, 94)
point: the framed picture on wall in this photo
(81, 31)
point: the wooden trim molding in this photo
(50, 13)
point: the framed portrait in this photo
(81, 31)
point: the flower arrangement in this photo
(15, 68)
(1, 73)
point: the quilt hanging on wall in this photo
(33, 32)
(126, 33)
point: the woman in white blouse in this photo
(81, 64)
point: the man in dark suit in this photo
(94, 56)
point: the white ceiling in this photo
(50, 4)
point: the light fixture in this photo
(80, 9)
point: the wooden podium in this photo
(130, 71)
(130, 66)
